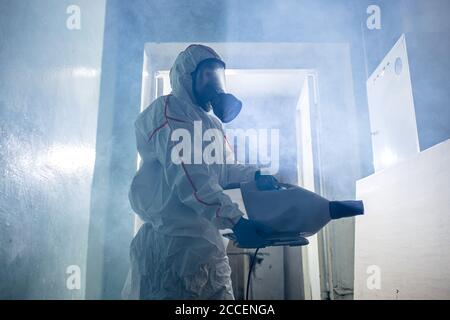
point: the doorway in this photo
(270, 79)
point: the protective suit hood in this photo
(184, 65)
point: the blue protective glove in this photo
(266, 182)
(251, 234)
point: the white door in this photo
(391, 109)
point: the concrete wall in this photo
(426, 26)
(49, 91)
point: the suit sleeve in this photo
(236, 172)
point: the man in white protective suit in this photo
(179, 253)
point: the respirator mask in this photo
(208, 81)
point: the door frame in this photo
(322, 58)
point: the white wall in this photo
(402, 248)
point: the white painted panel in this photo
(405, 231)
(391, 108)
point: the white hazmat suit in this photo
(179, 253)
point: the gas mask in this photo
(210, 92)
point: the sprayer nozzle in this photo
(343, 209)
